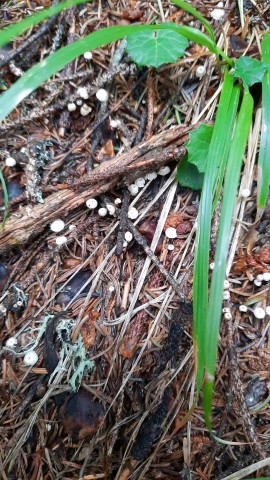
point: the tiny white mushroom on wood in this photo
(57, 225)
(102, 95)
(61, 240)
(133, 213)
(200, 71)
(259, 313)
(151, 176)
(88, 55)
(164, 171)
(71, 107)
(133, 189)
(91, 203)
(82, 92)
(128, 236)
(102, 212)
(85, 110)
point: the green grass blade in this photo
(186, 6)
(38, 74)
(264, 156)
(12, 31)
(195, 36)
(241, 12)
(201, 266)
(212, 46)
(231, 116)
(5, 192)
(232, 176)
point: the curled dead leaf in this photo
(131, 340)
(173, 220)
(88, 330)
(263, 255)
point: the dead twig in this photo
(122, 223)
(169, 277)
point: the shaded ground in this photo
(96, 298)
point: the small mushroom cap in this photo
(30, 359)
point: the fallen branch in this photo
(28, 222)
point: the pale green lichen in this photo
(72, 354)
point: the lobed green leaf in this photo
(188, 175)
(156, 47)
(198, 146)
(249, 70)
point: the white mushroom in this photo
(102, 95)
(11, 342)
(57, 225)
(10, 162)
(133, 213)
(128, 236)
(30, 358)
(91, 203)
(171, 232)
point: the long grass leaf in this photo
(232, 176)
(195, 36)
(201, 266)
(186, 6)
(5, 192)
(241, 12)
(14, 30)
(264, 156)
(213, 47)
(38, 74)
(231, 116)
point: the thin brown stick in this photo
(169, 277)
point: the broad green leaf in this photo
(198, 146)
(188, 175)
(156, 47)
(264, 156)
(14, 30)
(249, 70)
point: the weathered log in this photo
(29, 221)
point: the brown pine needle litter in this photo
(98, 373)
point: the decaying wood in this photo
(28, 222)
